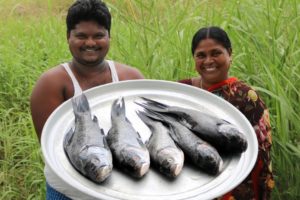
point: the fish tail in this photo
(143, 116)
(80, 104)
(154, 104)
(154, 115)
(118, 108)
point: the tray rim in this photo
(90, 93)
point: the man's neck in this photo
(88, 69)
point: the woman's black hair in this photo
(212, 32)
(88, 10)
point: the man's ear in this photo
(68, 35)
(229, 51)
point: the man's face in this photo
(88, 43)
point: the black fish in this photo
(164, 153)
(202, 154)
(86, 146)
(220, 133)
(128, 150)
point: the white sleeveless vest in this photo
(77, 88)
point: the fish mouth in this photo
(98, 170)
(103, 173)
(236, 141)
(99, 173)
(135, 161)
(143, 169)
(170, 161)
(176, 169)
(172, 170)
(137, 169)
(209, 160)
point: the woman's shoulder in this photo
(185, 81)
(246, 91)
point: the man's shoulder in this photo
(54, 73)
(53, 77)
(123, 67)
(126, 72)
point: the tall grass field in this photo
(154, 36)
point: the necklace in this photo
(201, 83)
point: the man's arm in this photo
(46, 96)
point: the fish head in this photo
(236, 140)
(209, 158)
(135, 160)
(96, 163)
(171, 161)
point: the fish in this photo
(129, 152)
(86, 146)
(201, 153)
(164, 153)
(223, 135)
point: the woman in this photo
(211, 49)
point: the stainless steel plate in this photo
(190, 184)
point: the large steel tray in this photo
(190, 184)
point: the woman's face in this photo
(212, 61)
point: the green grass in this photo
(155, 37)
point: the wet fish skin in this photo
(86, 146)
(164, 153)
(201, 153)
(218, 132)
(128, 150)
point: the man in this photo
(88, 36)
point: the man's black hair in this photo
(212, 32)
(88, 10)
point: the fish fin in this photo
(145, 119)
(148, 140)
(127, 120)
(173, 135)
(158, 116)
(140, 140)
(155, 103)
(82, 154)
(68, 138)
(95, 119)
(153, 115)
(225, 121)
(80, 104)
(102, 131)
(118, 108)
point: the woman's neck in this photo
(204, 84)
